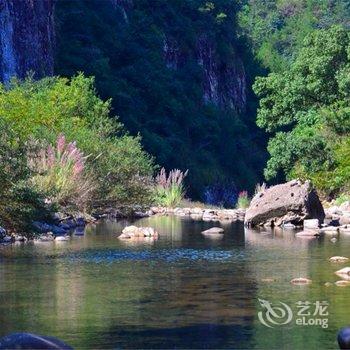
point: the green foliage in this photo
(243, 200)
(342, 199)
(19, 202)
(307, 107)
(124, 49)
(169, 190)
(277, 28)
(42, 110)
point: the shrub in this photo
(19, 202)
(61, 173)
(42, 110)
(223, 194)
(169, 190)
(243, 200)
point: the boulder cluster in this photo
(134, 232)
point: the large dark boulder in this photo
(292, 202)
(31, 341)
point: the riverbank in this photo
(205, 214)
(64, 222)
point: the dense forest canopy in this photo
(277, 28)
(160, 61)
(307, 107)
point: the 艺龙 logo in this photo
(308, 313)
(274, 315)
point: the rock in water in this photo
(345, 272)
(213, 230)
(138, 232)
(338, 259)
(31, 341)
(300, 281)
(311, 224)
(342, 283)
(292, 202)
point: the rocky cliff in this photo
(224, 82)
(26, 38)
(27, 41)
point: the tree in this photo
(307, 109)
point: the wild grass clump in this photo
(260, 188)
(169, 190)
(61, 173)
(243, 200)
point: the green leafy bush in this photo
(169, 190)
(277, 28)
(20, 203)
(42, 110)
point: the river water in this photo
(185, 290)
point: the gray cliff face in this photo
(224, 84)
(27, 45)
(26, 38)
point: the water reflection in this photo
(184, 290)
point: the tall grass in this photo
(243, 200)
(260, 188)
(169, 190)
(61, 173)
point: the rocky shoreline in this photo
(60, 227)
(63, 224)
(289, 205)
(204, 214)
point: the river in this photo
(185, 290)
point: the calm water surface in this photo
(183, 291)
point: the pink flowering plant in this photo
(61, 173)
(243, 200)
(169, 189)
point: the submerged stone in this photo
(300, 280)
(345, 271)
(61, 238)
(138, 232)
(307, 233)
(338, 259)
(342, 283)
(213, 230)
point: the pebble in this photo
(300, 280)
